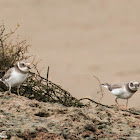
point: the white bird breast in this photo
(122, 93)
(117, 91)
(16, 78)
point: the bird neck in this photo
(17, 69)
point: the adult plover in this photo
(123, 90)
(16, 75)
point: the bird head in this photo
(24, 66)
(133, 85)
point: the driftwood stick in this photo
(132, 112)
(129, 111)
(95, 102)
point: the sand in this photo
(22, 118)
(81, 38)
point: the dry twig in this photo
(101, 90)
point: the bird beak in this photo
(28, 67)
(136, 86)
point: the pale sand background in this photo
(79, 38)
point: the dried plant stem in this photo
(95, 102)
(47, 79)
(101, 90)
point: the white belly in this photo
(16, 78)
(122, 93)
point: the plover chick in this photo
(16, 75)
(123, 90)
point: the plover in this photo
(123, 90)
(16, 75)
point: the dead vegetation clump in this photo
(36, 86)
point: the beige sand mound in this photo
(22, 118)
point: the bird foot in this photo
(122, 108)
(7, 93)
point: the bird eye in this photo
(23, 64)
(131, 84)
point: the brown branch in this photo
(95, 102)
(48, 79)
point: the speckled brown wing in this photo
(7, 74)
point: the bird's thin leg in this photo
(118, 104)
(18, 90)
(127, 104)
(9, 89)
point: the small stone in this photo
(2, 135)
(91, 138)
(101, 126)
(90, 127)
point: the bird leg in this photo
(18, 90)
(127, 104)
(118, 104)
(9, 91)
